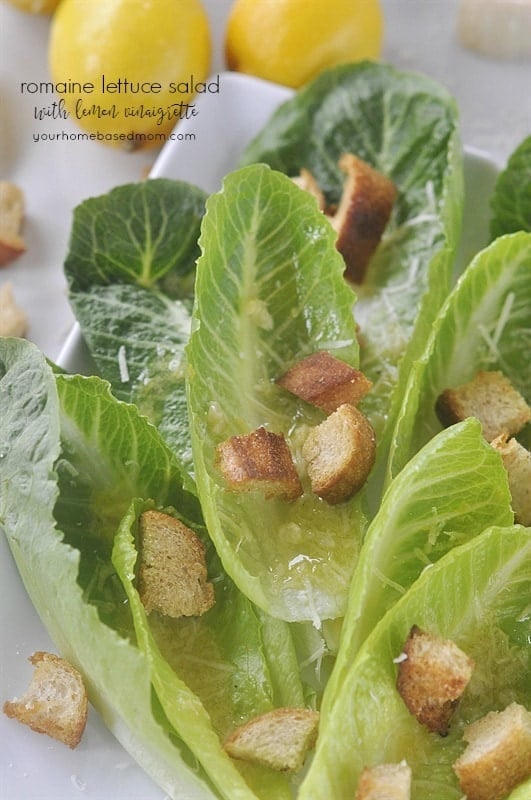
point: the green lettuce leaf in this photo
(405, 125)
(30, 448)
(478, 596)
(484, 324)
(522, 792)
(130, 270)
(511, 200)
(143, 233)
(451, 491)
(269, 291)
(183, 708)
(136, 338)
(73, 460)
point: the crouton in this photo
(172, 576)
(517, 461)
(491, 398)
(362, 215)
(432, 676)
(339, 454)
(278, 739)
(385, 782)
(305, 180)
(498, 756)
(55, 703)
(325, 382)
(259, 461)
(13, 320)
(11, 216)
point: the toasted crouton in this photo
(11, 216)
(362, 215)
(432, 676)
(172, 577)
(305, 180)
(325, 382)
(517, 461)
(491, 398)
(259, 461)
(55, 702)
(278, 739)
(13, 320)
(339, 454)
(385, 782)
(498, 756)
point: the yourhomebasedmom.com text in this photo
(133, 139)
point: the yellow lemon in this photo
(291, 41)
(35, 6)
(127, 70)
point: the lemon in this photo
(127, 70)
(35, 6)
(291, 41)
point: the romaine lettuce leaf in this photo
(451, 491)
(143, 233)
(405, 125)
(130, 270)
(269, 291)
(49, 569)
(511, 200)
(478, 596)
(136, 338)
(73, 460)
(522, 792)
(183, 708)
(484, 324)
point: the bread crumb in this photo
(385, 782)
(259, 461)
(13, 320)
(432, 678)
(306, 181)
(11, 216)
(362, 215)
(517, 461)
(278, 739)
(55, 702)
(491, 398)
(340, 454)
(325, 382)
(173, 573)
(498, 756)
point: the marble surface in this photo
(494, 96)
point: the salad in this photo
(191, 308)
